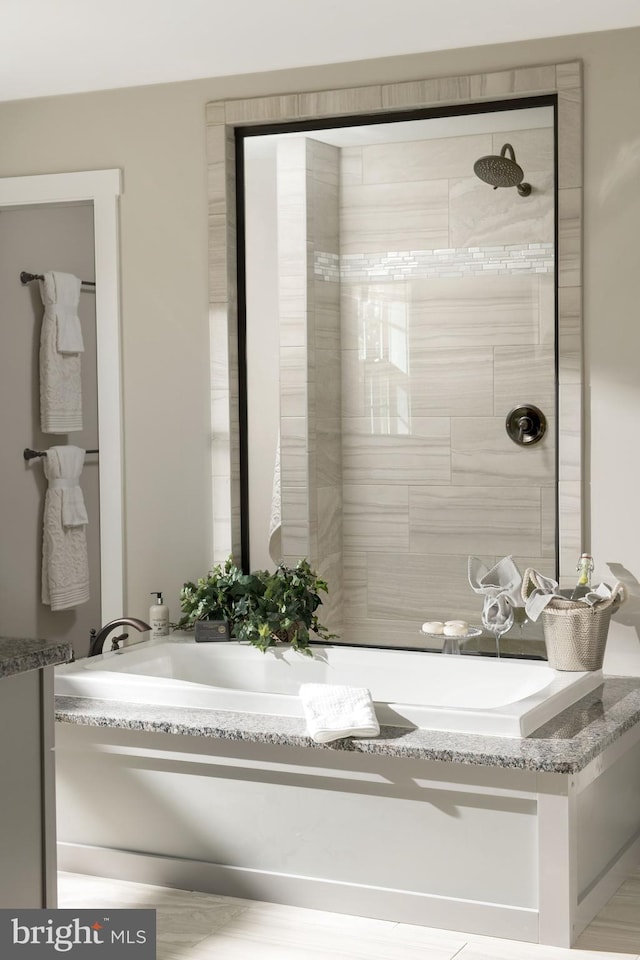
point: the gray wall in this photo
(156, 134)
(37, 239)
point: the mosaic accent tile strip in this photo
(500, 260)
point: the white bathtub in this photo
(508, 698)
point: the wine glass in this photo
(495, 620)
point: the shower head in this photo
(502, 171)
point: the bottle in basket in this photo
(584, 569)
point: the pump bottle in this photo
(158, 617)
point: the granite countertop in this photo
(564, 745)
(18, 655)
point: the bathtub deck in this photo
(566, 745)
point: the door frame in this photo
(102, 188)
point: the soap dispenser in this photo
(158, 617)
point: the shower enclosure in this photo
(398, 310)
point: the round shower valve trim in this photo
(526, 424)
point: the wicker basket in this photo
(575, 634)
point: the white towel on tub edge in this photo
(334, 711)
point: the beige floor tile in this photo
(183, 917)
(199, 926)
(488, 948)
(265, 933)
(617, 926)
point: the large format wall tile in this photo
(326, 307)
(570, 526)
(440, 383)
(570, 335)
(544, 565)
(438, 159)
(479, 520)
(373, 455)
(549, 515)
(451, 382)
(533, 149)
(375, 516)
(481, 311)
(482, 215)
(570, 237)
(569, 124)
(547, 308)
(415, 587)
(368, 311)
(524, 80)
(570, 422)
(328, 452)
(295, 521)
(352, 384)
(330, 568)
(354, 571)
(482, 453)
(414, 215)
(293, 450)
(329, 509)
(394, 632)
(524, 375)
(419, 93)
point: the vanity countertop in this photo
(17, 655)
(565, 744)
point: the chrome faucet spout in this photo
(96, 640)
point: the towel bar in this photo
(28, 277)
(30, 454)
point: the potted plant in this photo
(262, 608)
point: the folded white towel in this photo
(500, 586)
(65, 563)
(60, 347)
(334, 711)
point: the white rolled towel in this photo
(334, 711)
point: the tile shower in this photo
(437, 294)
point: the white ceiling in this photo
(50, 47)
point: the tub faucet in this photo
(96, 640)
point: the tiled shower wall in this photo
(310, 382)
(417, 308)
(447, 293)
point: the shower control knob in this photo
(526, 424)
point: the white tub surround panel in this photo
(489, 835)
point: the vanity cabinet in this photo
(27, 774)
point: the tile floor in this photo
(199, 926)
